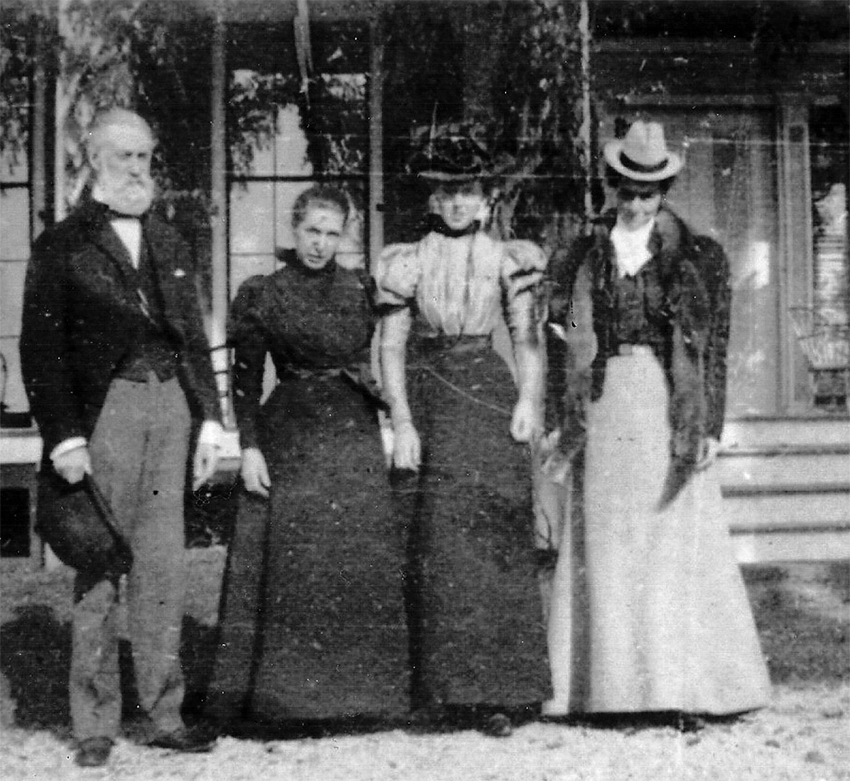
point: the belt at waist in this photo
(635, 349)
(458, 343)
(311, 374)
(144, 373)
(357, 376)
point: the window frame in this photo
(38, 183)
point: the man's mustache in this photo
(144, 183)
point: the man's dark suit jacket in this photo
(82, 312)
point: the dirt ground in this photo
(803, 615)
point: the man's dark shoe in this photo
(93, 752)
(690, 723)
(191, 741)
(498, 726)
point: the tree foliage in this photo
(19, 27)
(526, 110)
(139, 53)
(330, 95)
(14, 95)
(132, 54)
(543, 114)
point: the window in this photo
(823, 327)
(282, 140)
(16, 217)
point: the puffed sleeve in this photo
(523, 265)
(523, 256)
(246, 334)
(397, 274)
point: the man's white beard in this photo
(128, 197)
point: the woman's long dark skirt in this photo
(313, 617)
(476, 621)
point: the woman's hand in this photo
(708, 450)
(407, 449)
(525, 422)
(255, 473)
(73, 465)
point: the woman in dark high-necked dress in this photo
(313, 619)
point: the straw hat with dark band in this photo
(643, 155)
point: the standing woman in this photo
(459, 419)
(669, 629)
(313, 622)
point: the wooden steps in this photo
(757, 468)
(786, 488)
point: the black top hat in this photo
(450, 157)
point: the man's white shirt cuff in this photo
(211, 434)
(66, 446)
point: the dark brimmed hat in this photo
(643, 155)
(450, 157)
(78, 524)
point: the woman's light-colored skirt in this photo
(649, 610)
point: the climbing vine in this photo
(528, 105)
(15, 79)
(526, 110)
(542, 115)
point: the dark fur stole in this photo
(583, 301)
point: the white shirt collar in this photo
(128, 230)
(631, 247)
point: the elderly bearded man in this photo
(116, 363)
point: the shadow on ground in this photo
(35, 658)
(803, 617)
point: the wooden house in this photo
(755, 94)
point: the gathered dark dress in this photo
(476, 617)
(313, 620)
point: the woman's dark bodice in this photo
(309, 322)
(639, 313)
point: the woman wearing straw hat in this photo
(460, 420)
(669, 627)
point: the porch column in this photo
(64, 93)
(39, 131)
(218, 217)
(795, 226)
(375, 219)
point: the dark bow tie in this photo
(114, 214)
(436, 224)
